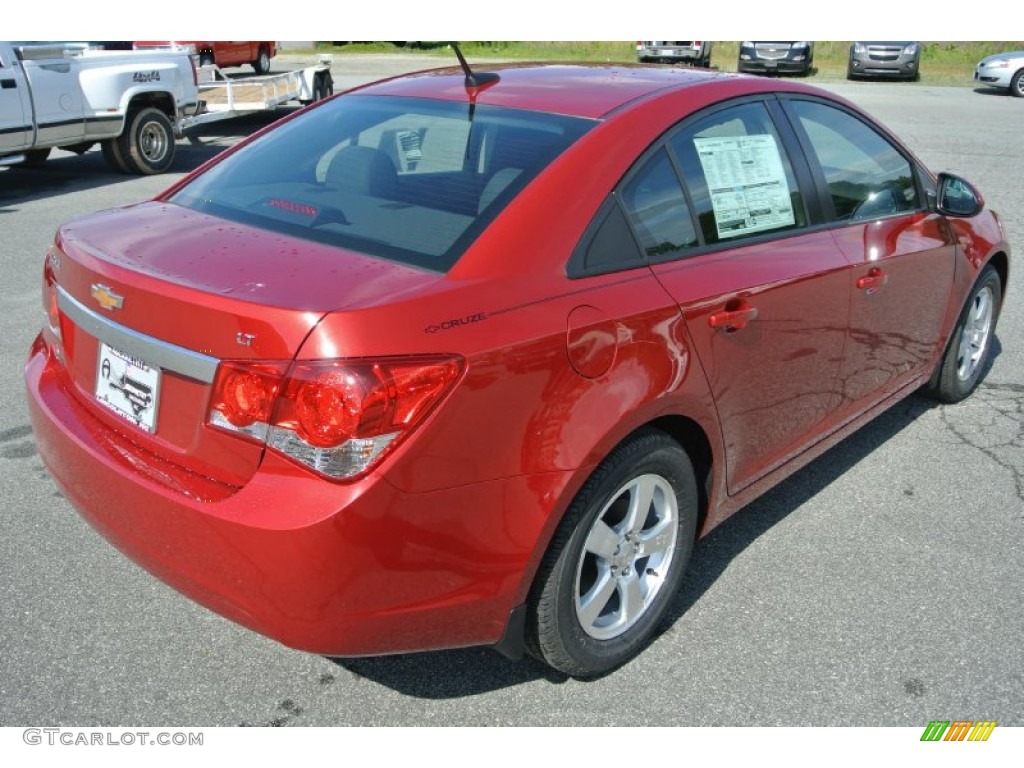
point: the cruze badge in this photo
(106, 297)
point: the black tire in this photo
(1017, 84)
(580, 620)
(146, 146)
(969, 349)
(35, 157)
(318, 87)
(112, 154)
(262, 63)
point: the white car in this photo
(1004, 70)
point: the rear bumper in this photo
(339, 570)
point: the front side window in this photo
(866, 176)
(414, 180)
(739, 175)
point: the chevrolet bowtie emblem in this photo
(106, 297)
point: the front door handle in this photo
(8, 82)
(732, 319)
(873, 280)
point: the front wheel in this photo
(1017, 84)
(147, 144)
(969, 349)
(617, 558)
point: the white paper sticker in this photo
(747, 184)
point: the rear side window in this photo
(654, 200)
(414, 180)
(739, 175)
(867, 176)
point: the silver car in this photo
(1004, 70)
(884, 59)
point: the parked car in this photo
(397, 374)
(696, 52)
(881, 59)
(223, 53)
(1004, 70)
(770, 58)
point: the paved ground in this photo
(879, 586)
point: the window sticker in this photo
(747, 184)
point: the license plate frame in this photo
(128, 386)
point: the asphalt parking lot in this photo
(881, 585)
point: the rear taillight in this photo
(338, 417)
(244, 395)
(50, 292)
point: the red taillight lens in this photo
(329, 402)
(337, 416)
(328, 405)
(50, 293)
(244, 394)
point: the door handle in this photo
(8, 83)
(733, 319)
(873, 280)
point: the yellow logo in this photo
(106, 297)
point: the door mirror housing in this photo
(958, 197)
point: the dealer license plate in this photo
(128, 386)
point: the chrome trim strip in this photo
(162, 354)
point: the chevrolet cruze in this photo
(470, 358)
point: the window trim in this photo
(810, 192)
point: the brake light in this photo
(338, 417)
(50, 293)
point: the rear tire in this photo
(147, 144)
(969, 350)
(616, 560)
(262, 63)
(34, 157)
(112, 154)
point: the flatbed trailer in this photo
(222, 97)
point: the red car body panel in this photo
(436, 545)
(225, 53)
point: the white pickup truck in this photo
(71, 96)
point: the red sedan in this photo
(460, 360)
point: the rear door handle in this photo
(733, 319)
(873, 280)
(8, 83)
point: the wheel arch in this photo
(1001, 262)
(162, 100)
(687, 432)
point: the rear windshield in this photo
(414, 180)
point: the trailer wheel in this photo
(147, 145)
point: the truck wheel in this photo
(112, 154)
(147, 145)
(36, 156)
(262, 63)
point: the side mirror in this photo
(958, 197)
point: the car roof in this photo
(581, 90)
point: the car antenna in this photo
(474, 79)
